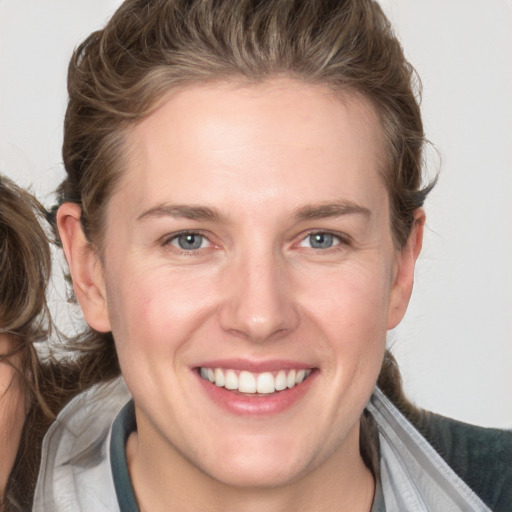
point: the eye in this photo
(320, 240)
(189, 241)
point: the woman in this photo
(32, 390)
(242, 216)
(24, 272)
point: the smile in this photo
(254, 383)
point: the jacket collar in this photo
(414, 477)
(75, 455)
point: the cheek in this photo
(350, 313)
(155, 311)
(13, 402)
(354, 299)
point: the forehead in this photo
(280, 140)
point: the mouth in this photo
(254, 384)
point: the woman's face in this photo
(12, 410)
(249, 243)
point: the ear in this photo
(404, 271)
(85, 267)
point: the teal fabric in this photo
(378, 500)
(122, 427)
(482, 457)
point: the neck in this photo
(340, 483)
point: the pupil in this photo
(321, 240)
(190, 241)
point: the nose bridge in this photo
(259, 304)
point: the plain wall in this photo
(455, 345)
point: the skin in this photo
(12, 412)
(265, 158)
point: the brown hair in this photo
(120, 74)
(25, 266)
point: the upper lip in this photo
(255, 366)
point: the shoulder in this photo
(482, 457)
(75, 460)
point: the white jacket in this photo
(75, 473)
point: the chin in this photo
(271, 464)
(257, 475)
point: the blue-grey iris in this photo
(321, 240)
(190, 241)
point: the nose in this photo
(259, 301)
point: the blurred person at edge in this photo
(32, 390)
(24, 272)
(241, 216)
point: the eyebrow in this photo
(336, 209)
(190, 212)
(308, 212)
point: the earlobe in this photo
(404, 272)
(85, 267)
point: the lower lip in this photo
(256, 405)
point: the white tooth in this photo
(230, 380)
(290, 381)
(219, 377)
(265, 383)
(211, 375)
(301, 374)
(281, 382)
(246, 382)
(204, 373)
